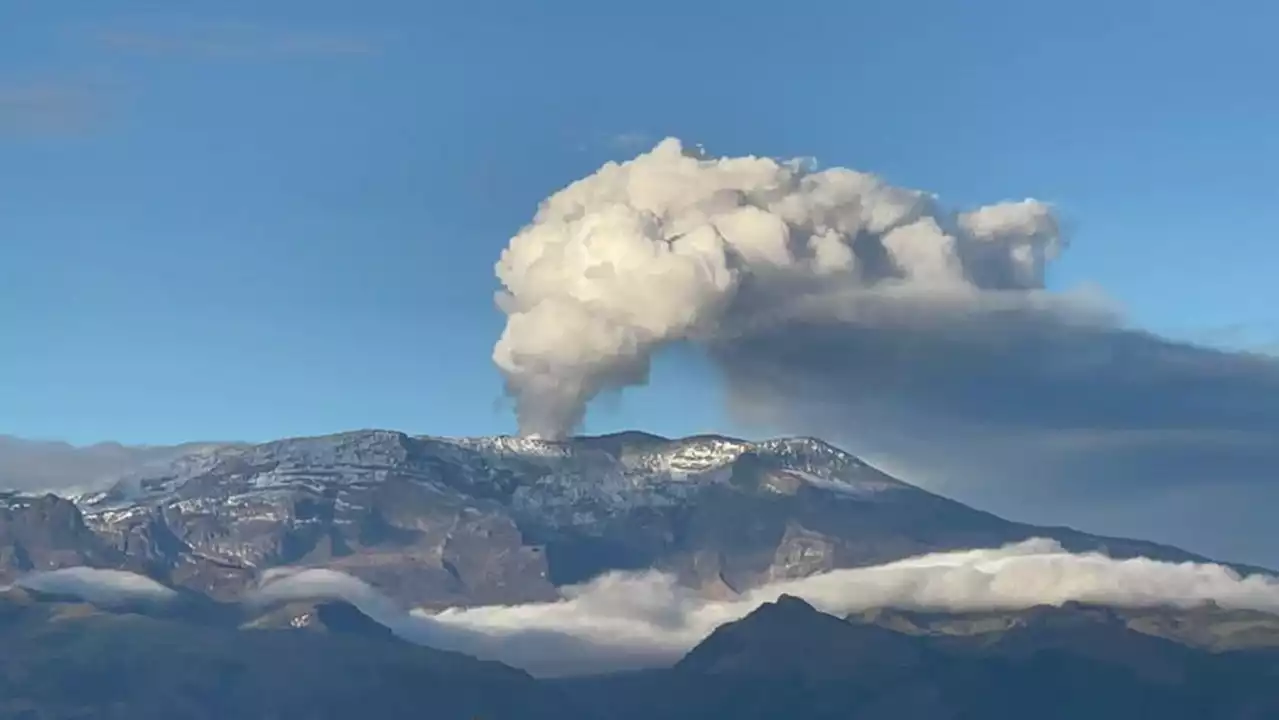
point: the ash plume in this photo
(836, 304)
(673, 247)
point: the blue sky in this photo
(250, 222)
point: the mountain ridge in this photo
(787, 659)
(439, 521)
(69, 659)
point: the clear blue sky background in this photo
(245, 220)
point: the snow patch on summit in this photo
(577, 482)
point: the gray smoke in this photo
(673, 247)
(836, 305)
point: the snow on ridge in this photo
(689, 456)
(612, 471)
(508, 445)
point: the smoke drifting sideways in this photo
(924, 339)
(624, 621)
(673, 246)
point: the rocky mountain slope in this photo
(66, 658)
(787, 660)
(438, 521)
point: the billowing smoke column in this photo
(674, 246)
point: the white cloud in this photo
(636, 620)
(285, 584)
(96, 585)
(632, 620)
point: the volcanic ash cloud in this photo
(674, 246)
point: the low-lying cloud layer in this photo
(104, 587)
(633, 620)
(837, 305)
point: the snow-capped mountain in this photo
(586, 478)
(435, 521)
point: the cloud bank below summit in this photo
(95, 585)
(636, 620)
(835, 304)
(624, 620)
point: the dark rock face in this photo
(48, 532)
(66, 658)
(323, 616)
(74, 661)
(434, 521)
(788, 660)
(790, 638)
